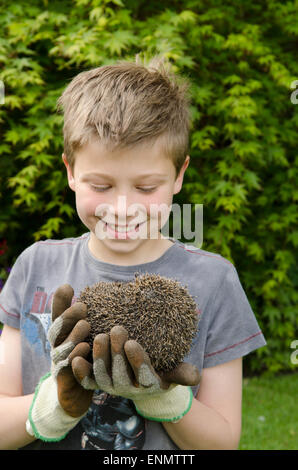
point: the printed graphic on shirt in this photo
(36, 323)
(111, 421)
(41, 307)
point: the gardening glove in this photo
(60, 401)
(122, 367)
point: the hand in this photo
(122, 367)
(60, 401)
(69, 328)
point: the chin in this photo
(121, 246)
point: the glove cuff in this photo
(48, 420)
(170, 406)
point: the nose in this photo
(127, 210)
(121, 211)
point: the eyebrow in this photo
(145, 175)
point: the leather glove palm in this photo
(122, 367)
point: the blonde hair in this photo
(126, 104)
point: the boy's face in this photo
(124, 197)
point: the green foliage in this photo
(241, 60)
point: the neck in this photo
(148, 251)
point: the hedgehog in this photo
(157, 312)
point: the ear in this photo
(179, 179)
(71, 181)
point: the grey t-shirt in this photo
(227, 326)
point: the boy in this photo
(126, 132)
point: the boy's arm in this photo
(214, 420)
(59, 401)
(14, 407)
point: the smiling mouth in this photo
(123, 228)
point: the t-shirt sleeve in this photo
(233, 330)
(11, 295)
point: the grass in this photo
(270, 413)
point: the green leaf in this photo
(119, 41)
(12, 136)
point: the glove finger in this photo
(81, 349)
(64, 324)
(141, 365)
(81, 368)
(102, 351)
(83, 372)
(122, 373)
(61, 300)
(183, 374)
(79, 332)
(102, 361)
(60, 354)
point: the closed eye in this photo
(147, 190)
(99, 188)
(105, 188)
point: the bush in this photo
(241, 60)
